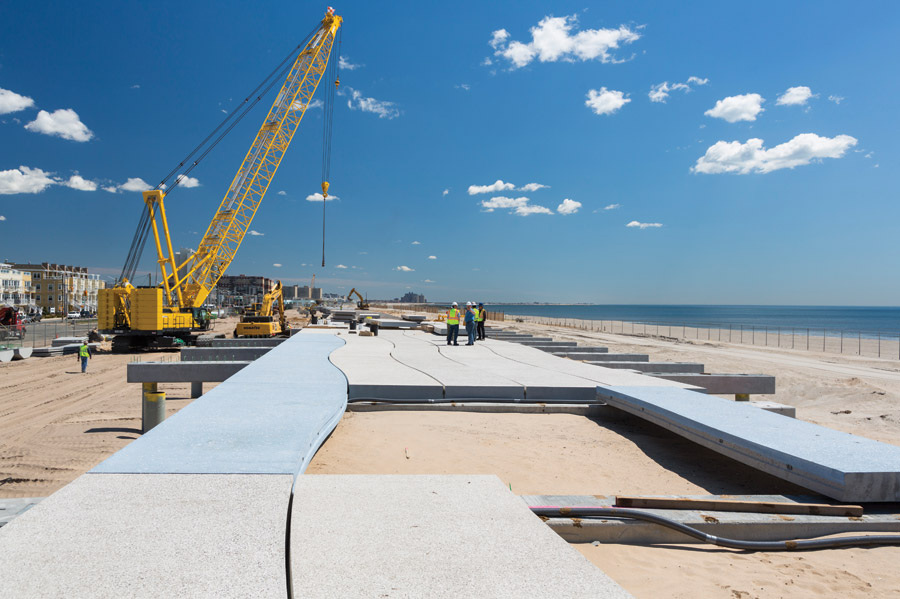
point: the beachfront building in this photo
(310, 293)
(15, 288)
(413, 298)
(60, 288)
(242, 290)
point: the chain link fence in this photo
(42, 334)
(860, 343)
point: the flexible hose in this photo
(793, 545)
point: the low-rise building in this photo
(242, 290)
(15, 288)
(60, 288)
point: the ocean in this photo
(869, 321)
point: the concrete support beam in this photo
(599, 358)
(836, 464)
(244, 342)
(725, 384)
(564, 352)
(215, 354)
(196, 389)
(182, 372)
(546, 344)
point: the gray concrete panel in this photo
(546, 344)
(244, 342)
(563, 352)
(725, 384)
(651, 367)
(270, 418)
(420, 351)
(181, 372)
(113, 536)
(606, 357)
(372, 373)
(231, 354)
(839, 465)
(429, 536)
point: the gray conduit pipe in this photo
(549, 511)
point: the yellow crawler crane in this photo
(169, 314)
(262, 322)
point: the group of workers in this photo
(473, 317)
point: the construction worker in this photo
(84, 353)
(470, 322)
(480, 315)
(453, 323)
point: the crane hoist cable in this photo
(235, 116)
(334, 76)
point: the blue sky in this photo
(759, 138)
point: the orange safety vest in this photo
(452, 316)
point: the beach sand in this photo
(54, 426)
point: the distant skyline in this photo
(614, 153)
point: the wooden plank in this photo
(734, 505)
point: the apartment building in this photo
(15, 288)
(60, 288)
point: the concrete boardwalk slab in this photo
(269, 418)
(112, 536)
(607, 357)
(725, 384)
(232, 354)
(540, 385)
(415, 349)
(836, 464)
(597, 374)
(373, 374)
(429, 536)
(650, 367)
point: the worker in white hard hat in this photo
(470, 323)
(453, 324)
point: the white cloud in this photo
(531, 209)
(344, 63)
(463, 86)
(795, 96)
(737, 108)
(255, 233)
(446, 192)
(136, 86)
(503, 202)
(2, 218)
(428, 281)
(416, 243)
(432, 257)
(836, 99)
(24, 180)
(80, 183)
(317, 197)
(297, 104)
(282, 193)
(487, 62)
(63, 123)
(605, 101)
(340, 266)
(10, 101)
(612, 207)
(533, 187)
(751, 157)
(552, 41)
(277, 265)
(110, 189)
(497, 185)
(134, 184)
(660, 91)
(568, 207)
(643, 226)
(405, 269)
(187, 182)
(384, 109)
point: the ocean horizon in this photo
(869, 320)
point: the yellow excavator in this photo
(171, 313)
(361, 304)
(265, 319)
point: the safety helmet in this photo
(454, 304)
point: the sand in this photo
(55, 425)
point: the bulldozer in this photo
(266, 318)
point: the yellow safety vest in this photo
(83, 351)
(479, 314)
(452, 316)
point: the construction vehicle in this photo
(266, 318)
(171, 313)
(361, 304)
(11, 325)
